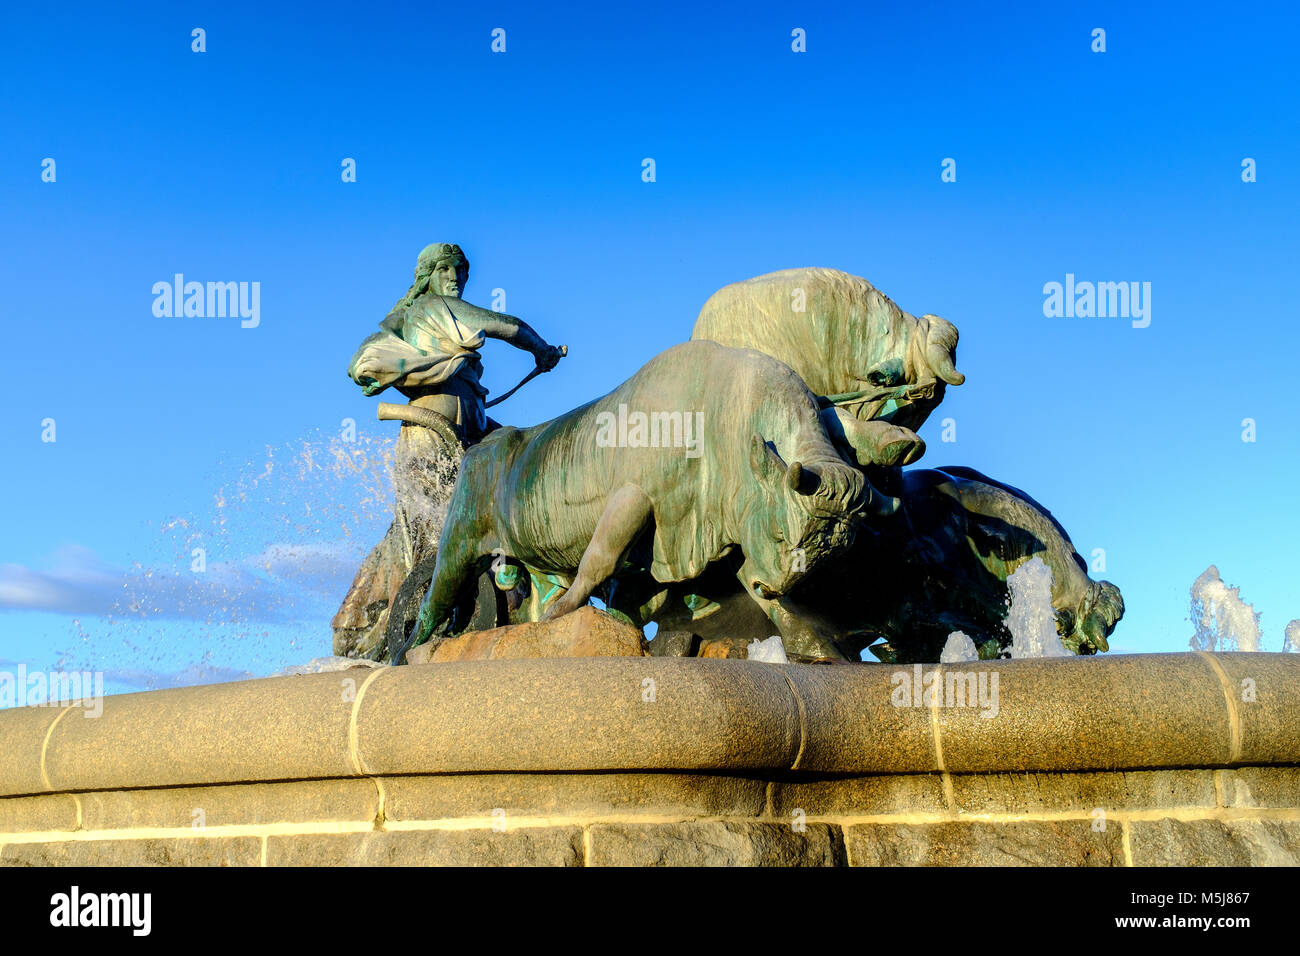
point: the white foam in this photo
(958, 649)
(770, 651)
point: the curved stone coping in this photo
(638, 714)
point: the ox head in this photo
(843, 336)
(802, 514)
(903, 367)
(1086, 629)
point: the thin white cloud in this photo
(190, 676)
(284, 582)
(76, 582)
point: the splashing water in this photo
(424, 475)
(1223, 621)
(249, 585)
(771, 650)
(326, 665)
(959, 649)
(1030, 617)
(1291, 638)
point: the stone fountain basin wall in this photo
(1124, 760)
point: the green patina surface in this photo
(793, 514)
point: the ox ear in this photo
(764, 460)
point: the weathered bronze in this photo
(586, 496)
(940, 565)
(747, 482)
(880, 371)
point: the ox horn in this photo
(848, 493)
(941, 349)
(818, 496)
(877, 504)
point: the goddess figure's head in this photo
(442, 269)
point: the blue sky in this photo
(225, 166)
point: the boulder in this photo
(735, 648)
(586, 632)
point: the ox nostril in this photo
(886, 374)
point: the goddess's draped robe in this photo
(426, 349)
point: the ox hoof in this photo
(810, 648)
(556, 610)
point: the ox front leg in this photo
(803, 635)
(624, 518)
(463, 552)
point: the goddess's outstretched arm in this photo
(507, 328)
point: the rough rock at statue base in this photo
(587, 632)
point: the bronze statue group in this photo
(795, 515)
